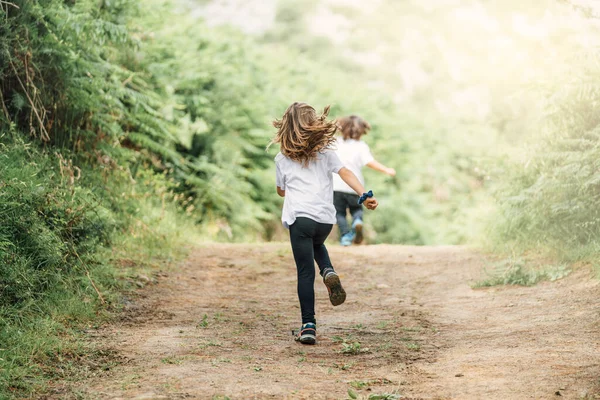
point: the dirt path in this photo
(219, 328)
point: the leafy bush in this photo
(550, 199)
(517, 272)
(49, 225)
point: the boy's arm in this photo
(352, 181)
(280, 191)
(377, 166)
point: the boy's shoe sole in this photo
(337, 294)
(358, 231)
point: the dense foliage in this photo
(550, 198)
(78, 78)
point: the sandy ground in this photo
(220, 327)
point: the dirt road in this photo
(220, 327)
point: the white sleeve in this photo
(365, 154)
(334, 163)
(279, 177)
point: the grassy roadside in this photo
(72, 242)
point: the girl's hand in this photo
(371, 203)
(391, 172)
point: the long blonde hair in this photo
(353, 127)
(302, 134)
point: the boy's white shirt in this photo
(308, 189)
(354, 154)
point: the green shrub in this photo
(60, 244)
(515, 271)
(549, 199)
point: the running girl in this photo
(354, 154)
(305, 166)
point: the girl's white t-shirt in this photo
(354, 154)
(308, 189)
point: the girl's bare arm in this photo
(352, 181)
(377, 166)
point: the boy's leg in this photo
(301, 236)
(340, 204)
(356, 210)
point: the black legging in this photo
(308, 237)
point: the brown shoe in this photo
(337, 294)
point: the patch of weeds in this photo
(219, 317)
(556, 272)
(340, 339)
(129, 380)
(172, 360)
(385, 346)
(243, 327)
(302, 359)
(80, 394)
(514, 271)
(221, 397)
(204, 322)
(384, 396)
(210, 343)
(359, 384)
(412, 329)
(258, 368)
(413, 346)
(353, 348)
(358, 326)
(382, 324)
(343, 367)
(380, 381)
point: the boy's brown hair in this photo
(353, 127)
(302, 134)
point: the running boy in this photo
(354, 154)
(305, 167)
